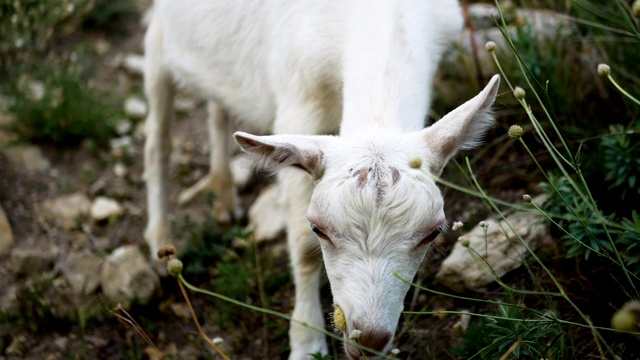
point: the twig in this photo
(195, 320)
(127, 318)
(511, 349)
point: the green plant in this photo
(522, 327)
(621, 154)
(65, 114)
(523, 334)
(206, 243)
(29, 25)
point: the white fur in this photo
(363, 68)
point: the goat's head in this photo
(372, 212)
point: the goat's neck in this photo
(387, 69)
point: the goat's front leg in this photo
(219, 179)
(306, 261)
(159, 90)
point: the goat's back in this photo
(251, 56)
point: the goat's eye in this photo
(319, 233)
(429, 238)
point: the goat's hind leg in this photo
(219, 179)
(159, 90)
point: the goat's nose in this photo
(376, 340)
(373, 339)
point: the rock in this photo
(126, 276)
(135, 108)
(241, 170)
(29, 260)
(183, 104)
(122, 146)
(461, 270)
(101, 46)
(123, 127)
(181, 310)
(82, 272)
(35, 90)
(267, 215)
(134, 64)
(9, 300)
(67, 209)
(29, 158)
(104, 208)
(6, 234)
(545, 26)
(18, 346)
(61, 343)
(120, 169)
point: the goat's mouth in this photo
(355, 353)
(374, 343)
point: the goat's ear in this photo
(278, 151)
(462, 128)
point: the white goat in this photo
(303, 68)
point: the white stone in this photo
(126, 276)
(123, 127)
(122, 146)
(134, 64)
(120, 169)
(82, 272)
(35, 90)
(184, 104)
(267, 215)
(66, 210)
(465, 267)
(6, 234)
(101, 46)
(135, 107)
(104, 208)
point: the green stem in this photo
(623, 91)
(280, 315)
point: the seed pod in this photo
(174, 267)
(339, 321)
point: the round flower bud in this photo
(490, 46)
(395, 352)
(519, 93)
(174, 267)
(515, 132)
(416, 163)
(464, 241)
(635, 8)
(339, 320)
(526, 198)
(604, 69)
(623, 320)
(627, 317)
